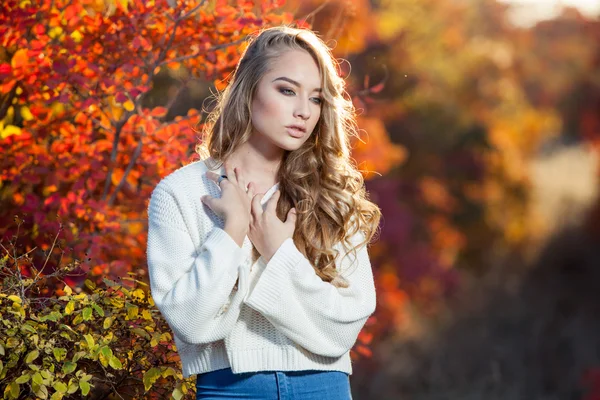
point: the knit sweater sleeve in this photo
(318, 316)
(189, 283)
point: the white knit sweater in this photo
(280, 317)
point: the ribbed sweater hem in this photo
(196, 360)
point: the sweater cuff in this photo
(229, 251)
(267, 291)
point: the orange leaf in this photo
(159, 112)
(19, 59)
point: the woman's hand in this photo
(266, 230)
(235, 202)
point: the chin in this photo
(290, 145)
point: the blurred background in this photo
(480, 141)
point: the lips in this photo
(295, 132)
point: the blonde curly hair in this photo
(319, 179)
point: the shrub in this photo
(90, 341)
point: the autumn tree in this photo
(84, 136)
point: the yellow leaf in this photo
(9, 131)
(76, 36)
(56, 31)
(107, 322)
(132, 312)
(128, 105)
(146, 315)
(26, 113)
(57, 108)
(139, 293)
(68, 290)
(70, 307)
(15, 299)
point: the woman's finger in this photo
(240, 178)
(230, 174)
(256, 208)
(250, 191)
(207, 199)
(212, 176)
(272, 203)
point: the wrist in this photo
(237, 232)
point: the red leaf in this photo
(5, 70)
(121, 98)
(377, 88)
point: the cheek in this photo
(315, 117)
(267, 107)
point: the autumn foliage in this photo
(99, 100)
(82, 140)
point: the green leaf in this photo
(70, 307)
(57, 396)
(69, 367)
(89, 340)
(37, 378)
(99, 310)
(109, 283)
(1, 349)
(141, 333)
(59, 353)
(115, 363)
(106, 351)
(73, 386)
(23, 379)
(53, 316)
(85, 387)
(79, 355)
(33, 354)
(60, 387)
(177, 394)
(26, 328)
(14, 390)
(150, 377)
(89, 284)
(87, 313)
(42, 392)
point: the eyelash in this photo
(282, 90)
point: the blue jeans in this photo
(274, 385)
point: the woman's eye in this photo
(317, 100)
(286, 91)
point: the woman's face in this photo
(287, 103)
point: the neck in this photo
(256, 166)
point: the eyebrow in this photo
(293, 82)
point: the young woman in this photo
(257, 254)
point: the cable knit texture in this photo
(279, 317)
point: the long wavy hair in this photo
(319, 179)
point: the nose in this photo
(302, 109)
